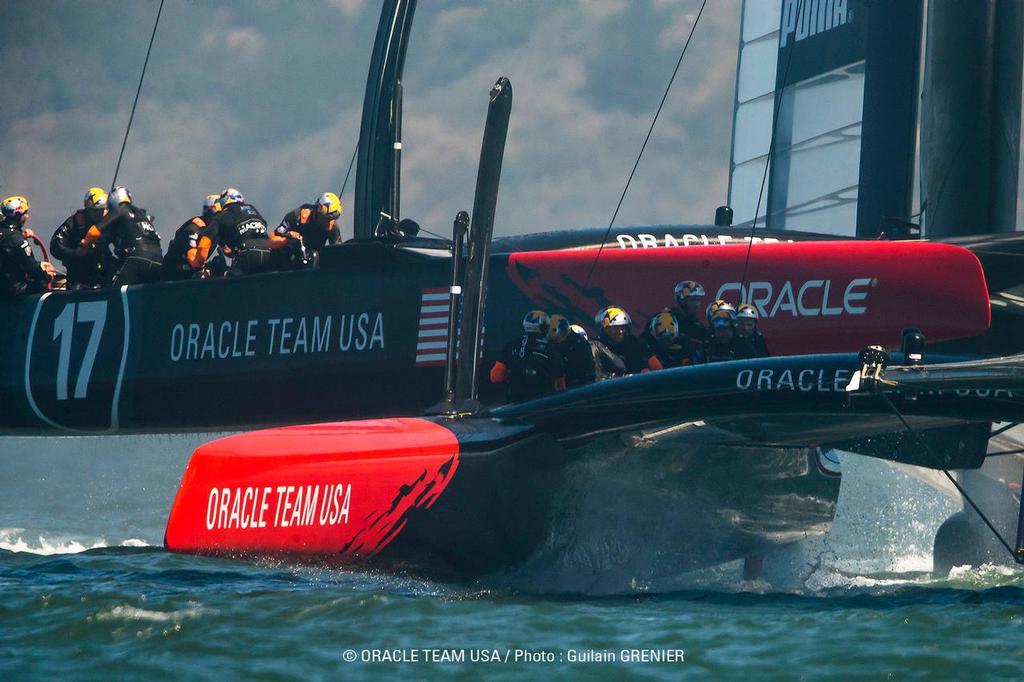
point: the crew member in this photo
(750, 341)
(722, 344)
(663, 338)
(613, 323)
(136, 243)
(242, 234)
(86, 267)
(189, 251)
(308, 229)
(20, 272)
(574, 350)
(607, 365)
(689, 302)
(601, 356)
(529, 365)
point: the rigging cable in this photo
(928, 449)
(138, 90)
(644, 146)
(345, 184)
(768, 159)
(349, 172)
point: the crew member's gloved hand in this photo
(48, 268)
(27, 233)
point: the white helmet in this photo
(119, 195)
(230, 196)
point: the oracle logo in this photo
(813, 298)
(652, 241)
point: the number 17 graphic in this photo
(94, 312)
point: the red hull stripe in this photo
(340, 489)
(812, 296)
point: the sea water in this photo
(86, 591)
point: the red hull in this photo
(813, 297)
(342, 488)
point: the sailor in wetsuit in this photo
(86, 266)
(529, 365)
(189, 251)
(616, 337)
(722, 344)
(308, 229)
(750, 342)
(130, 229)
(574, 349)
(663, 338)
(20, 272)
(242, 234)
(689, 302)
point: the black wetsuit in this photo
(242, 234)
(87, 271)
(20, 272)
(186, 238)
(680, 352)
(534, 367)
(694, 330)
(578, 360)
(606, 363)
(718, 351)
(752, 346)
(633, 352)
(130, 229)
(317, 232)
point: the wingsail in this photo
(830, 103)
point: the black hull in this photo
(358, 336)
(605, 518)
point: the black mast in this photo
(375, 167)
(970, 123)
(485, 201)
(892, 46)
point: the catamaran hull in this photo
(498, 505)
(365, 334)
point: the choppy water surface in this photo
(86, 590)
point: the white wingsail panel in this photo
(755, 106)
(816, 49)
(822, 155)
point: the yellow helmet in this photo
(721, 305)
(14, 207)
(329, 205)
(722, 317)
(612, 316)
(536, 322)
(211, 204)
(558, 328)
(96, 197)
(688, 289)
(664, 325)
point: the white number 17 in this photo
(94, 312)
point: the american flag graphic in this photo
(432, 339)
